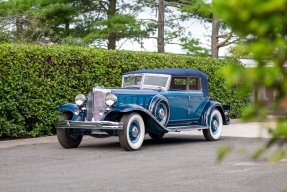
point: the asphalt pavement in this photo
(178, 162)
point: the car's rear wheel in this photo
(156, 136)
(215, 128)
(66, 137)
(132, 135)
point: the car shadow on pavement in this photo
(112, 143)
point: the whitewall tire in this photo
(132, 135)
(213, 133)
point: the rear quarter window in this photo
(194, 83)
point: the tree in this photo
(114, 24)
(266, 22)
(205, 13)
(28, 28)
(91, 20)
(47, 12)
(169, 15)
(228, 37)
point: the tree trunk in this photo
(112, 41)
(160, 38)
(19, 25)
(112, 35)
(214, 37)
(67, 25)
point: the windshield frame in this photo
(143, 77)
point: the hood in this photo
(141, 97)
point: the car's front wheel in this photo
(132, 135)
(66, 137)
(215, 128)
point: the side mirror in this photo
(159, 89)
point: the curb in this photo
(28, 141)
(236, 121)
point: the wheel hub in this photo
(135, 131)
(215, 124)
(161, 113)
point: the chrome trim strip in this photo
(90, 125)
(185, 128)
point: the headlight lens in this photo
(80, 99)
(111, 99)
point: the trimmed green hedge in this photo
(36, 79)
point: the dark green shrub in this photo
(36, 79)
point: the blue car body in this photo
(183, 103)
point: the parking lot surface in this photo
(178, 162)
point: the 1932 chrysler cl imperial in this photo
(153, 101)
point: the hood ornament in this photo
(97, 85)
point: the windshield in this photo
(132, 80)
(155, 80)
(149, 80)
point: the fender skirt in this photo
(205, 116)
(151, 123)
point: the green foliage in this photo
(240, 49)
(71, 41)
(122, 25)
(35, 80)
(266, 23)
(5, 37)
(192, 47)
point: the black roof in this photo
(179, 72)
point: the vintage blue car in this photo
(153, 101)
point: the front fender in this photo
(205, 116)
(152, 124)
(72, 107)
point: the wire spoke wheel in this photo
(67, 137)
(215, 128)
(132, 135)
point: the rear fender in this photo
(206, 113)
(151, 123)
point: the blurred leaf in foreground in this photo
(222, 151)
(263, 26)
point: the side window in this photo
(178, 83)
(194, 83)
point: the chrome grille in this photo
(99, 104)
(90, 106)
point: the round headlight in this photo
(80, 99)
(111, 99)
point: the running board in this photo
(185, 128)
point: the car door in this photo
(178, 99)
(196, 100)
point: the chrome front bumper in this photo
(90, 125)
